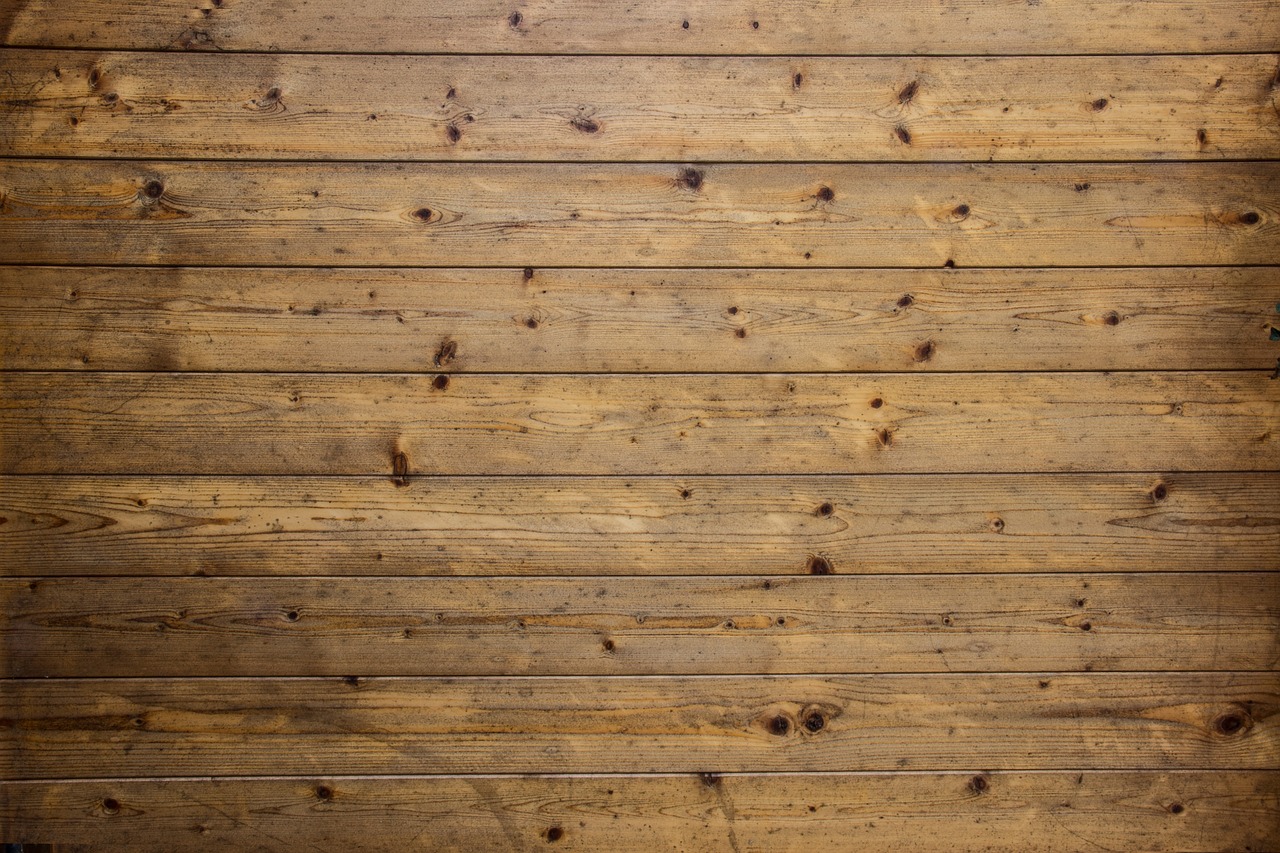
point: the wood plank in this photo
(648, 525)
(383, 626)
(114, 423)
(78, 104)
(67, 728)
(1060, 812)
(450, 214)
(458, 320)
(656, 27)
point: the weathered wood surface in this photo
(1054, 812)
(67, 728)
(547, 214)
(383, 626)
(74, 103)
(659, 27)
(678, 525)
(112, 423)
(458, 320)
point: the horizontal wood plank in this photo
(677, 525)
(67, 728)
(451, 214)
(638, 626)
(1062, 812)
(656, 27)
(111, 423)
(260, 106)
(390, 320)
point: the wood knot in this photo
(324, 793)
(820, 565)
(528, 273)
(1232, 723)
(1159, 492)
(780, 725)
(961, 211)
(553, 834)
(996, 524)
(293, 616)
(1099, 105)
(908, 92)
(1250, 217)
(110, 805)
(826, 194)
(690, 179)
(826, 509)
(400, 468)
(351, 680)
(904, 135)
(584, 124)
(979, 784)
(876, 402)
(608, 645)
(1176, 808)
(153, 189)
(1111, 318)
(422, 214)
(446, 353)
(711, 780)
(884, 438)
(514, 20)
(453, 133)
(924, 352)
(906, 301)
(1082, 187)
(815, 723)
(797, 81)
(441, 382)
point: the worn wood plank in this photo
(648, 525)
(66, 728)
(458, 320)
(449, 214)
(638, 626)
(78, 104)
(658, 27)
(975, 811)
(206, 423)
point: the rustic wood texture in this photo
(112, 423)
(618, 26)
(196, 727)
(680, 525)
(73, 103)
(831, 426)
(547, 214)
(638, 626)
(1058, 812)
(602, 320)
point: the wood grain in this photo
(649, 525)
(657, 27)
(114, 423)
(456, 320)
(1062, 812)
(484, 214)
(262, 106)
(65, 728)
(638, 626)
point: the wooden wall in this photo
(611, 426)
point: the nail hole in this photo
(684, 25)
